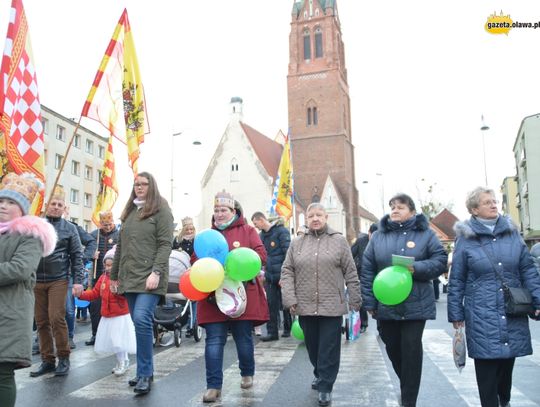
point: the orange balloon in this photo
(188, 290)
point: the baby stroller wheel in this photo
(197, 332)
(177, 337)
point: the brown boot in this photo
(211, 395)
(247, 382)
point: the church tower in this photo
(319, 107)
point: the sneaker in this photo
(72, 344)
(122, 367)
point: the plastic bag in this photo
(231, 298)
(459, 349)
(354, 325)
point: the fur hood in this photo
(36, 227)
(420, 223)
(469, 229)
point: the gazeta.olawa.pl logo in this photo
(502, 24)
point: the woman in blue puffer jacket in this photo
(405, 233)
(488, 246)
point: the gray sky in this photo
(420, 75)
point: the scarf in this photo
(488, 223)
(227, 224)
(138, 203)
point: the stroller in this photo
(178, 311)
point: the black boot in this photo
(269, 338)
(63, 367)
(45, 367)
(143, 385)
(91, 341)
(325, 398)
(133, 382)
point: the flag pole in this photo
(63, 163)
(292, 182)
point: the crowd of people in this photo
(311, 279)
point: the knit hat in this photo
(110, 254)
(106, 217)
(187, 221)
(20, 188)
(223, 198)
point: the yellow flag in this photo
(108, 186)
(284, 183)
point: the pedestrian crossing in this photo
(283, 377)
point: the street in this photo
(283, 375)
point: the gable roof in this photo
(268, 151)
(364, 213)
(445, 221)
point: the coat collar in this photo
(419, 222)
(472, 228)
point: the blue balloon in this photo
(81, 303)
(211, 243)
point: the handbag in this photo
(517, 300)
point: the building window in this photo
(309, 116)
(74, 220)
(45, 124)
(75, 168)
(99, 175)
(315, 116)
(87, 200)
(58, 161)
(89, 147)
(307, 45)
(77, 141)
(74, 196)
(101, 152)
(312, 115)
(88, 171)
(234, 170)
(86, 226)
(318, 43)
(60, 133)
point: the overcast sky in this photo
(420, 76)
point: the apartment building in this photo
(82, 170)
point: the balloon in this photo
(242, 264)
(211, 243)
(392, 285)
(207, 274)
(188, 290)
(81, 303)
(297, 331)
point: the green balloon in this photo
(392, 285)
(296, 330)
(242, 264)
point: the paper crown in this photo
(59, 193)
(21, 189)
(187, 221)
(223, 198)
(106, 217)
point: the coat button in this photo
(500, 264)
(506, 344)
(503, 317)
(402, 250)
(315, 254)
(494, 240)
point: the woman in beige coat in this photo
(315, 272)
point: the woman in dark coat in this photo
(229, 220)
(403, 232)
(490, 250)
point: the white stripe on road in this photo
(363, 378)
(270, 359)
(438, 346)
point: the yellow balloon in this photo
(207, 274)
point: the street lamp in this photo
(484, 128)
(194, 142)
(379, 174)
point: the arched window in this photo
(315, 117)
(234, 170)
(312, 113)
(318, 43)
(309, 116)
(307, 45)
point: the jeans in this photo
(70, 309)
(50, 314)
(193, 314)
(141, 307)
(216, 336)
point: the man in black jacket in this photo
(276, 240)
(106, 237)
(51, 290)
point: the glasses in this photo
(490, 202)
(140, 184)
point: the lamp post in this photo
(484, 128)
(380, 174)
(172, 164)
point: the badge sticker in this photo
(411, 244)
(272, 244)
(110, 241)
(236, 244)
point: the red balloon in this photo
(188, 290)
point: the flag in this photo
(108, 190)
(282, 202)
(116, 99)
(21, 130)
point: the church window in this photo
(309, 116)
(234, 170)
(318, 43)
(307, 45)
(315, 117)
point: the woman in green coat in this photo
(24, 240)
(141, 267)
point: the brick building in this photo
(319, 108)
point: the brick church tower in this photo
(319, 107)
